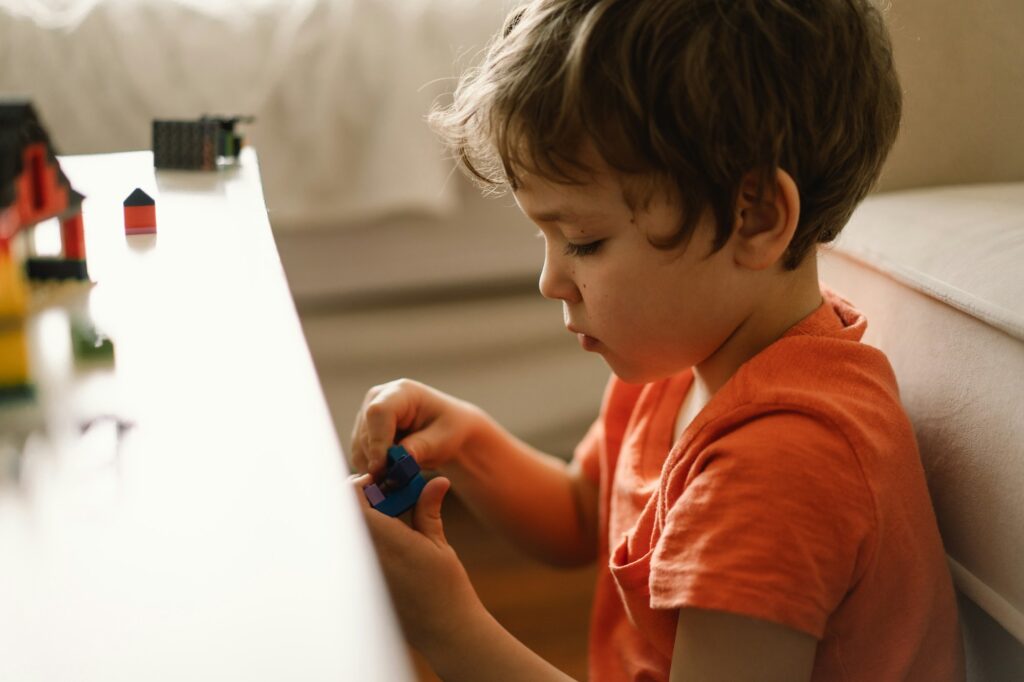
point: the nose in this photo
(556, 281)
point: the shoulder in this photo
(818, 391)
(828, 365)
(781, 465)
(771, 517)
(776, 448)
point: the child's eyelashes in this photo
(573, 249)
(582, 249)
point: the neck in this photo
(790, 297)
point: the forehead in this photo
(545, 200)
(595, 188)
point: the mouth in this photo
(587, 342)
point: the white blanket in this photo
(340, 88)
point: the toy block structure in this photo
(139, 213)
(401, 487)
(89, 345)
(14, 381)
(204, 144)
(12, 286)
(33, 188)
(72, 235)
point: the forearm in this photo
(482, 648)
(523, 493)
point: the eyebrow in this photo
(560, 217)
(549, 217)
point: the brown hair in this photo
(695, 94)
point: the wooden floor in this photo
(547, 609)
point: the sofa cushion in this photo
(938, 272)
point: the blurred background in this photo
(397, 264)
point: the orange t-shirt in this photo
(795, 496)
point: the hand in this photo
(434, 427)
(431, 591)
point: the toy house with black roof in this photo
(33, 188)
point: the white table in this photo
(215, 537)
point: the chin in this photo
(637, 375)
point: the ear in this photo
(765, 226)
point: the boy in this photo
(752, 489)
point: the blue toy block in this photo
(395, 453)
(402, 485)
(403, 471)
(402, 500)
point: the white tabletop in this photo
(215, 537)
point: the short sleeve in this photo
(773, 521)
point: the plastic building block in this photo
(203, 144)
(72, 235)
(185, 145)
(139, 213)
(12, 289)
(14, 363)
(56, 268)
(402, 484)
(16, 393)
(88, 344)
(373, 494)
(403, 471)
(402, 500)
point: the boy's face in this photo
(649, 312)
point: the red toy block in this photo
(9, 224)
(73, 237)
(40, 193)
(139, 213)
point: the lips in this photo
(586, 341)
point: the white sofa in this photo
(938, 274)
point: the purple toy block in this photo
(373, 494)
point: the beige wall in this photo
(962, 67)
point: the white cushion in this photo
(938, 272)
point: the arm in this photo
(484, 645)
(544, 505)
(440, 612)
(716, 645)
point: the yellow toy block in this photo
(13, 357)
(12, 290)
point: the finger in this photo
(380, 422)
(421, 446)
(357, 441)
(426, 516)
(356, 456)
(359, 482)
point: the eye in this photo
(582, 249)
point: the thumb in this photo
(422, 446)
(426, 517)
